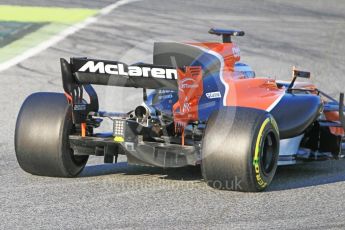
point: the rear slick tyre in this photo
(42, 134)
(240, 149)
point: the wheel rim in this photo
(268, 153)
(78, 160)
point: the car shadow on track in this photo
(287, 177)
(185, 173)
(308, 174)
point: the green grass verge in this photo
(57, 20)
(44, 14)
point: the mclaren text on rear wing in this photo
(103, 72)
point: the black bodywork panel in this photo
(295, 113)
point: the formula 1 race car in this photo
(201, 106)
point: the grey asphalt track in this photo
(279, 34)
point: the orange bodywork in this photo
(190, 90)
(259, 93)
(334, 116)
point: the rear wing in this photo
(80, 73)
(103, 72)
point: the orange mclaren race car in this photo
(201, 106)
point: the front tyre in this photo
(42, 134)
(240, 149)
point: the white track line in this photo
(62, 35)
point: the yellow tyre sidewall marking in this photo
(256, 160)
